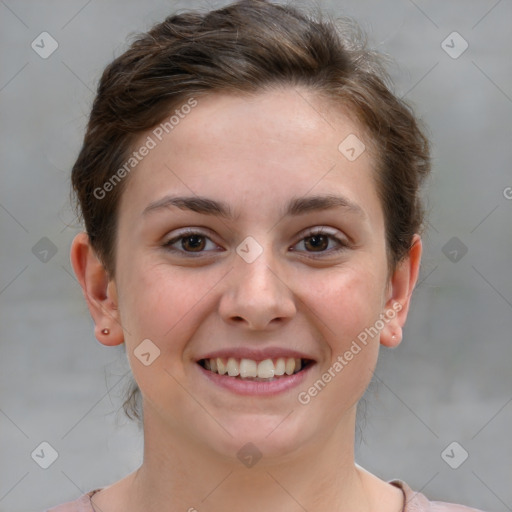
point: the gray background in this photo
(451, 378)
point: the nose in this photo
(256, 295)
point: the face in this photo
(275, 254)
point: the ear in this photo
(99, 291)
(399, 293)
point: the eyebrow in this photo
(296, 206)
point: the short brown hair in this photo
(247, 47)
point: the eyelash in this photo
(343, 245)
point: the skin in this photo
(254, 153)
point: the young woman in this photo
(250, 192)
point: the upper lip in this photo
(256, 354)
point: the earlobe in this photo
(401, 286)
(99, 291)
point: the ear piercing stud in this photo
(105, 331)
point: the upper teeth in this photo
(249, 368)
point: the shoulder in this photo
(417, 502)
(82, 504)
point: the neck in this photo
(179, 473)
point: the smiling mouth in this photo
(259, 371)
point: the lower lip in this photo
(249, 387)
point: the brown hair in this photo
(247, 47)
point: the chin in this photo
(261, 436)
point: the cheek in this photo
(347, 301)
(348, 305)
(166, 305)
(163, 305)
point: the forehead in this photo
(290, 124)
(271, 145)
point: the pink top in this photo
(414, 502)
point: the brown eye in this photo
(321, 242)
(194, 243)
(316, 242)
(191, 243)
